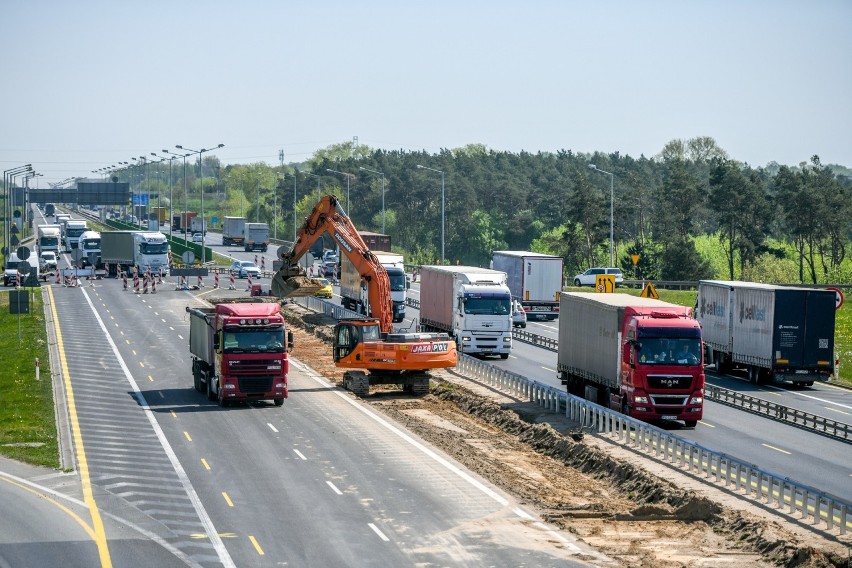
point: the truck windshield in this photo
(49, 241)
(487, 304)
(397, 280)
(670, 351)
(91, 244)
(248, 340)
(150, 248)
(76, 232)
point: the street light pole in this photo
(348, 175)
(383, 192)
(443, 217)
(611, 210)
(201, 171)
(8, 205)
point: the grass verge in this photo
(27, 420)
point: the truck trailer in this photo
(198, 225)
(256, 236)
(232, 231)
(239, 352)
(774, 333)
(145, 251)
(471, 304)
(49, 237)
(534, 279)
(353, 295)
(638, 355)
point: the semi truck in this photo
(239, 352)
(473, 305)
(49, 210)
(59, 220)
(183, 221)
(90, 245)
(73, 229)
(353, 295)
(232, 231)
(641, 356)
(49, 238)
(534, 279)
(773, 333)
(144, 250)
(256, 236)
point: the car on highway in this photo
(242, 269)
(326, 290)
(588, 277)
(197, 237)
(48, 260)
(329, 269)
(519, 315)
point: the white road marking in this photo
(378, 532)
(333, 488)
(273, 428)
(300, 454)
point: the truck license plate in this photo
(669, 417)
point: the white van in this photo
(10, 269)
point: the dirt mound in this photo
(618, 507)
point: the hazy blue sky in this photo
(87, 84)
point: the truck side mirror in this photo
(217, 340)
(290, 342)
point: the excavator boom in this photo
(328, 215)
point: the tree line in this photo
(689, 212)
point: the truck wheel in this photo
(278, 401)
(691, 423)
(211, 396)
(504, 355)
(195, 378)
(223, 402)
(809, 383)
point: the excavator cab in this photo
(349, 333)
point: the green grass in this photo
(842, 326)
(27, 420)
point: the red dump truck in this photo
(239, 352)
(637, 355)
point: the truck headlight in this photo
(230, 386)
(696, 400)
(640, 399)
(464, 338)
(507, 340)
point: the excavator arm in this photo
(329, 216)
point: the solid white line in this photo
(378, 532)
(179, 335)
(333, 488)
(205, 519)
(548, 369)
(273, 428)
(300, 454)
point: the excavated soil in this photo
(631, 508)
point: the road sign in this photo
(635, 259)
(605, 283)
(187, 257)
(77, 254)
(838, 297)
(214, 220)
(23, 253)
(649, 292)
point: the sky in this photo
(87, 84)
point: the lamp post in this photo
(348, 175)
(201, 164)
(383, 191)
(10, 173)
(443, 217)
(171, 158)
(611, 209)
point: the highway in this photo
(321, 481)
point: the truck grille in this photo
(253, 366)
(255, 385)
(670, 401)
(669, 381)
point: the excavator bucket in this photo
(287, 285)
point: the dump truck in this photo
(534, 279)
(255, 236)
(773, 333)
(471, 304)
(641, 356)
(239, 353)
(232, 231)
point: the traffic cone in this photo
(231, 285)
(216, 280)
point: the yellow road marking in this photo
(256, 545)
(707, 424)
(132, 350)
(227, 499)
(835, 410)
(173, 413)
(45, 497)
(127, 341)
(141, 364)
(777, 449)
(187, 436)
(88, 496)
(150, 378)
(205, 464)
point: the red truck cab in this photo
(662, 371)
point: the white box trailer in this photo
(775, 333)
(472, 304)
(534, 279)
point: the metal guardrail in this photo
(825, 511)
(539, 340)
(806, 420)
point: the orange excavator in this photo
(368, 345)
